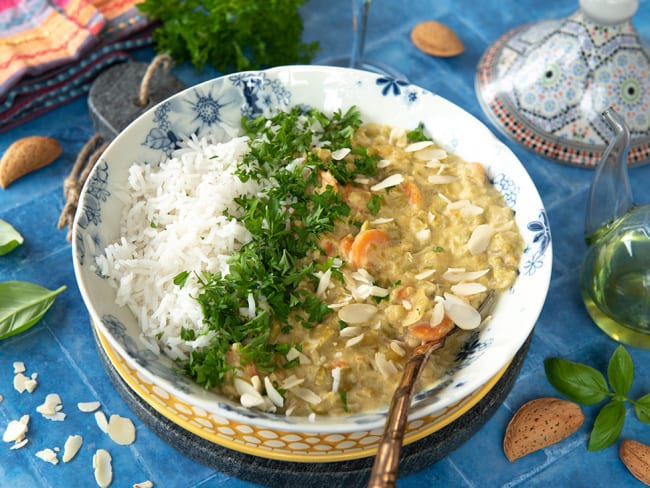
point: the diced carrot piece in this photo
(362, 244)
(413, 194)
(234, 359)
(345, 245)
(405, 292)
(339, 363)
(327, 179)
(345, 192)
(477, 170)
(426, 333)
(329, 247)
(250, 370)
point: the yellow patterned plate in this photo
(276, 444)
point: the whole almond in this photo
(26, 155)
(436, 39)
(636, 457)
(540, 423)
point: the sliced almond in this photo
(418, 146)
(432, 155)
(51, 408)
(273, 394)
(19, 382)
(306, 395)
(121, 430)
(249, 400)
(468, 289)
(19, 367)
(103, 468)
(424, 274)
(456, 275)
(102, 422)
(71, 447)
(392, 180)
(351, 331)
(386, 367)
(31, 384)
(397, 348)
(15, 431)
(88, 407)
(354, 341)
(441, 179)
(437, 314)
(143, 484)
(357, 313)
(461, 313)
(480, 239)
(20, 444)
(48, 455)
(340, 153)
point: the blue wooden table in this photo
(62, 351)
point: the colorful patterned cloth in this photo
(51, 50)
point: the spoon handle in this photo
(385, 467)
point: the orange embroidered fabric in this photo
(51, 50)
(38, 35)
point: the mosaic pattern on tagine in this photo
(546, 84)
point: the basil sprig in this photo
(585, 385)
(10, 238)
(22, 305)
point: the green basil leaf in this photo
(642, 408)
(10, 238)
(578, 382)
(620, 371)
(608, 425)
(22, 305)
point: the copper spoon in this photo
(385, 468)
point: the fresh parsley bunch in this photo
(588, 386)
(231, 35)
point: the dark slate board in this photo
(112, 100)
(415, 456)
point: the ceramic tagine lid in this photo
(546, 84)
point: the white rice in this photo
(173, 222)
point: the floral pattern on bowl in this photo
(218, 106)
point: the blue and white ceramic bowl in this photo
(218, 106)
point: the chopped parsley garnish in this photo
(275, 268)
(344, 399)
(181, 278)
(375, 203)
(417, 134)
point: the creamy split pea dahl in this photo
(298, 266)
(441, 238)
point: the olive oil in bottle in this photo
(615, 279)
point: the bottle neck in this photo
(610, 196)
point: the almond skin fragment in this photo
(26, 155)
(539, 424)
(436, 39)
(636, 457)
